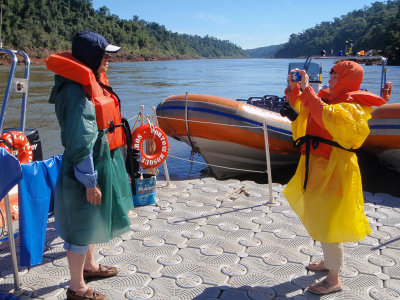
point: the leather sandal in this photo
(324, 288)
(88, 295)
(103, 272)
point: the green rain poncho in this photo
(79, 222)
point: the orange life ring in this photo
(160, 139)
(18, 145)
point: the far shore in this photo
(38, 57)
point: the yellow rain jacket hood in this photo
(332, 205)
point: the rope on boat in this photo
(57, 131)
(191, 160)
(194, 149)
(235, 194)
(170, 118)
(232, 125)
(211, 165)
(197, 162)
(265, 130)
(147, 119)
(137, 116)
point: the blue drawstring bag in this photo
(144, 190)
(7, 296)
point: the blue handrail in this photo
(11, 82)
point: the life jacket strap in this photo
(311, 140)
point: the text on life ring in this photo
(161, 145)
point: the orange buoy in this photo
(160, 139)
(18, 145)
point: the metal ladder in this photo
(20, 86)
(16, 85)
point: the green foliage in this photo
(40, 26)
(264, 52)
(31, 25)
(376, 28)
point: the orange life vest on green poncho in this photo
(106, 102)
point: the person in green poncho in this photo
(93, 194)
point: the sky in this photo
(246, 23)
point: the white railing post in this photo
(141, 114)
(268, 159)
(165, 161)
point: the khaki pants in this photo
(333, 255)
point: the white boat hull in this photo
(239, 159)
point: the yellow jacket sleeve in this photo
(300, 124)
(347, 123)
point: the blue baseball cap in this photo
(90, 47)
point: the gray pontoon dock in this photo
(210, 239)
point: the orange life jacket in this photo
(364, 98)
(106, 102)
(347, 89)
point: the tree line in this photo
(43, 26)
(264, 52)
(375, 28)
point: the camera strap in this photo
(313, 141)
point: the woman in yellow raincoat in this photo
(326, 191)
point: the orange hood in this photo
(350, 76)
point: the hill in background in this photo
(40, 27)
(376, 28)
(264, 52)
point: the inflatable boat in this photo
(228, 133)
(384, 136)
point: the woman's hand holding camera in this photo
(292, 84)
(297, 76)
(304, 80)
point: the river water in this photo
(148, 83)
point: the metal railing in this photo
(20, 86)
(17, 85)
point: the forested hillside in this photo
(43, 26)
(264, 52)
(376, 27)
